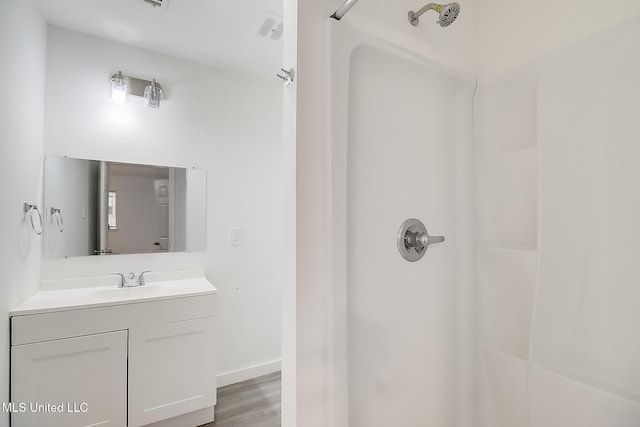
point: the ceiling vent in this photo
(271, 27)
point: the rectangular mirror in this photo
(96, 207)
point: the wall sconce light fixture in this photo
(122, 85)
(153, 95)
(119, 88)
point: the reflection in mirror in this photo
(121, 208)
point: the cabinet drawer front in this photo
(172, 370)
(65, 324)
(85, 377)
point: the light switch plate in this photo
(235, 236)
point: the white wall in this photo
(310, 295)
(289, 410)
(22, 75)
(585, 345)
(228, 124)
(554, 110)
(514, 33)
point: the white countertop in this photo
(101, 296)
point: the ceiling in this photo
(223, 34)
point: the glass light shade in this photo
(119, 89)
(152, 95)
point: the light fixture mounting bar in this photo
(136, 85)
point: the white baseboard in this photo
(192, 419)
(232, 377)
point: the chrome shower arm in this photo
(342, 10)
(422, 10)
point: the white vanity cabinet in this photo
(170, 370)
(134, 358)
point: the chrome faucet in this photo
(131, 277)
(140, 280)
(122, 280)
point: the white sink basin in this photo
(130, 292)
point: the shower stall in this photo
(402, 148)
(526, 314)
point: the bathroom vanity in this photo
(109, 356)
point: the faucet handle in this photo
(425, 239)
(141, 277)
(122, 279)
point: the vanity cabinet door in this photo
(172, 370)
(70, 382)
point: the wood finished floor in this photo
(251, 403)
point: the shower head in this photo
(448, 13)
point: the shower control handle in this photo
(420, 239)
(413, 240)
(425, 240)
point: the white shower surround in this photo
(556, 155)
(531, 370)
(402, 346)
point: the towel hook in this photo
(287, 79)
